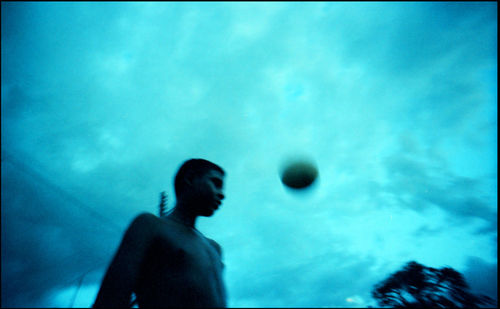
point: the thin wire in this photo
(77, 289)
(32, 172)
(28, 291)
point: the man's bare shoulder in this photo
(145, 218)
(144, 222)
(215, 245)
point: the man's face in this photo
(208, 192)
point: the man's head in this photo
(199, 183)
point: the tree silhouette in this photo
(418, 286)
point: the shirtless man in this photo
(166, 261)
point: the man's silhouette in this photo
(166, 261)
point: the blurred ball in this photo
(299, 174)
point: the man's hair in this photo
(190, 168)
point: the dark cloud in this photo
(419, 185)
(410, 36)
(48, 241)
(482, 276)
(425, 230)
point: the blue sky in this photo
(395, 102)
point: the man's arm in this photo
(118, 283)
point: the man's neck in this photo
(181, 215)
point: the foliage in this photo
(417, 286)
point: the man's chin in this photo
(208, 212)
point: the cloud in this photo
(425, 231)
(250, 22)
(482, 276)
(46, 234)
(413, 37)
(427, 184)
(316, 282)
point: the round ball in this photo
(299, 174)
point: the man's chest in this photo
(184, 266)
(187, 252)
